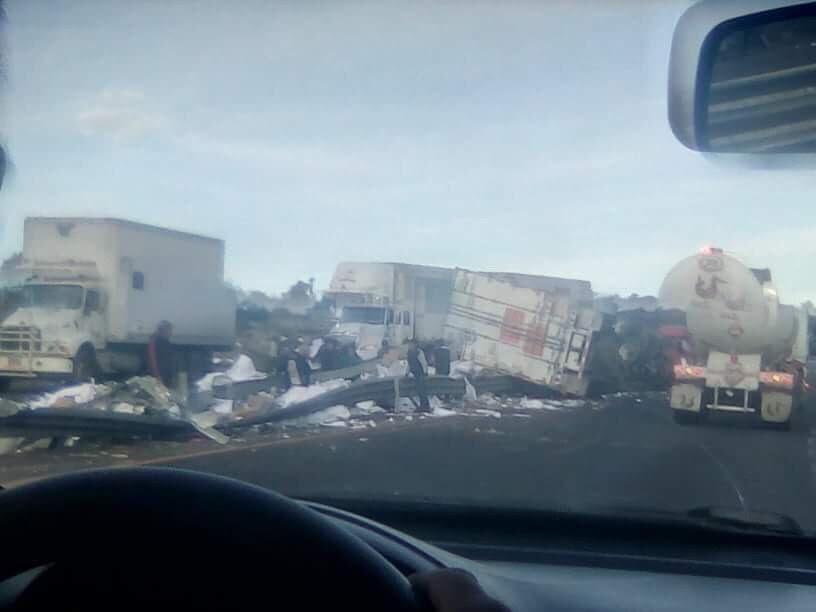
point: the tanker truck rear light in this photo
(710, 250)
(685, 372)
(776, 379)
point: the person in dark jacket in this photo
(418, 366)
(161, 359)
(442, 360)
(304, 369)
(328, 356)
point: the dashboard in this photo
(579, 585)
(621, 573)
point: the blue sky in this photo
(519, 136)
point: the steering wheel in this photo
(140, 537)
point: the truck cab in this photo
(48, 325)
(367, 325)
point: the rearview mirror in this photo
(742, 77)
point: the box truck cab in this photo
(88, 293)
(52, 324)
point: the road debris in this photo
(242, 370)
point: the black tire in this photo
(686, 417)
(5, 384)
(85, 366)
(785, 426)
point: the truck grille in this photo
(20, 340)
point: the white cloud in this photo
(121, 114)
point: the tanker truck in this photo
(745, 352)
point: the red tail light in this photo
(685, 372)
(776, 379)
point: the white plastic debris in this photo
(243, 369)
(442, 412)
(223, 406)
(365, 408)
(531, 404)
(367, 353)
(460, 369)
(79, 394)
(470, 391)
(335, 424)
(126, 408)
(396, 369)
(329, 416)
(315, 347)
(486, 412)
(295, 395)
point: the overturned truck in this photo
(527, 327)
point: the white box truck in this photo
(536, 328)
(747, 352)
(389, 301)
(89, 292)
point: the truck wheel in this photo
(85, 366)
(784, 426)
(5, 384)
(686, 417)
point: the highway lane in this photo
(630, 454)
(623, 453)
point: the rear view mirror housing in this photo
(742, 77)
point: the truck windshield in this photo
(51, 296)
(360, 314)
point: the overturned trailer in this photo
(522, 326)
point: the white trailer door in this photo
(537, 335)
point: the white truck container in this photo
(542, 333)
(747, 351)
(389, 301)
(89, 292)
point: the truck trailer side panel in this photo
(174, 276)
(538, 335)
(149, 274)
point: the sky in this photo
(517, 136)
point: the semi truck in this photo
(539, 328)
(88, 293)
(746, 352)
(389, 301)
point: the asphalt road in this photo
(628, 454)
(624, 453)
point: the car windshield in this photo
(584, 314)
(363, 314)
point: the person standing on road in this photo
(161, 361)
(418, 366)
(304, 369)
(328, 354)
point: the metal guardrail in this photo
(383, 391)
(89, 422)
